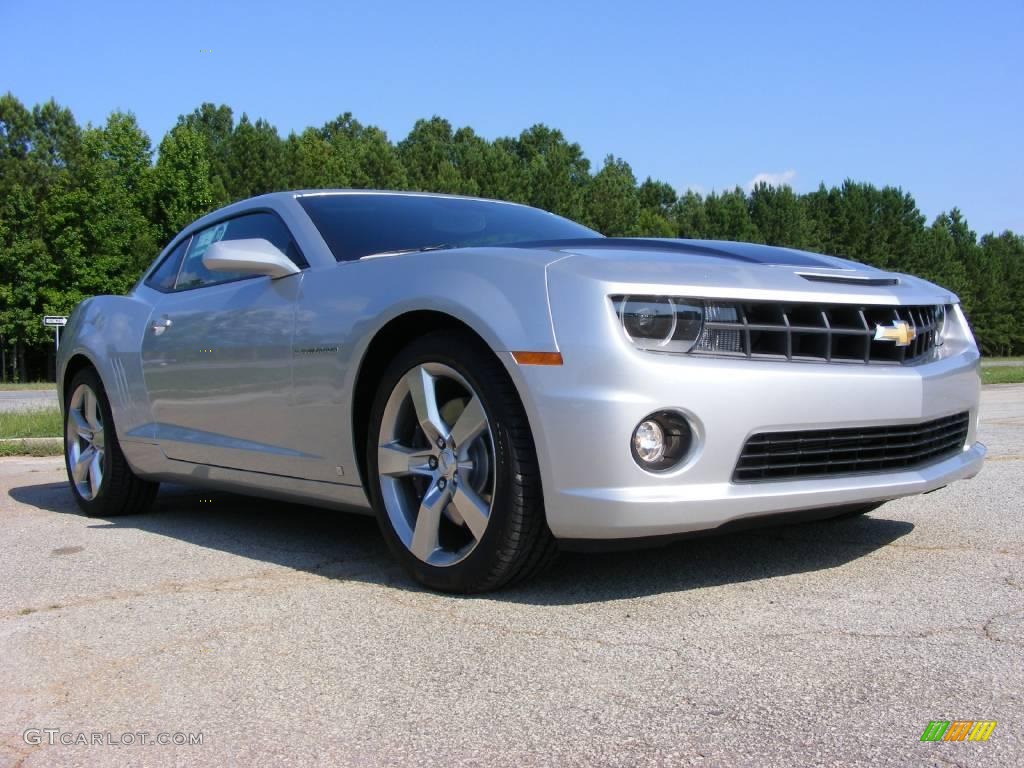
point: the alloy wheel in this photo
(85, 441)
(436, 463)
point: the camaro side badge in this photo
(899, 332)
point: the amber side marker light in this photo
(537, 358)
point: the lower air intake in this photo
(832, 452)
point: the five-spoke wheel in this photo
(101, 480)
(435, 459)
(84, 442)
(452, 471)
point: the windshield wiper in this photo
(435, 247)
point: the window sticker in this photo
(208, 237)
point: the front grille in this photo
(831, 452)
(835, 333)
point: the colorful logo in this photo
(958, 730)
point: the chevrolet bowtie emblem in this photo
(899, 332)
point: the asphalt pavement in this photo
(24, 399)
(286, 636)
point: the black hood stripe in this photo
(749, 253)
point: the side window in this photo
(163, 277)
(264, 225)
(269, 227)
(193, 274)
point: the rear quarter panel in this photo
(108, 330)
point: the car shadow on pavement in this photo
(344, 546)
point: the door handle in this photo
(161, 325)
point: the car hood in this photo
(714, 268)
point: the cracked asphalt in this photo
(286, 636)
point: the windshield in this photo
(358, 225)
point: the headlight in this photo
(659, 323)
(940, 324)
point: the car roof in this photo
(298, 193)
(279, 200)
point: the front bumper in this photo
(583, 414)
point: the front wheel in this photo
(101, 481)
(452, 468)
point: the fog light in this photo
(649, 442)
(661, 441)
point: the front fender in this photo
(501, 295)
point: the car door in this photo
(217, 355)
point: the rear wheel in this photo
(452, 468)
(101, 481)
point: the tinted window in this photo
(355, 225)
(263, 225)
(163, 276)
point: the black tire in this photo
(121, 491)
(517, 542)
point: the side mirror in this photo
(254, 256)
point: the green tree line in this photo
(84, 209)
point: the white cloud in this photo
(781, 179)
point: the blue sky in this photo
(924, 95)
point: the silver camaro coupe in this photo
(494, 382)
